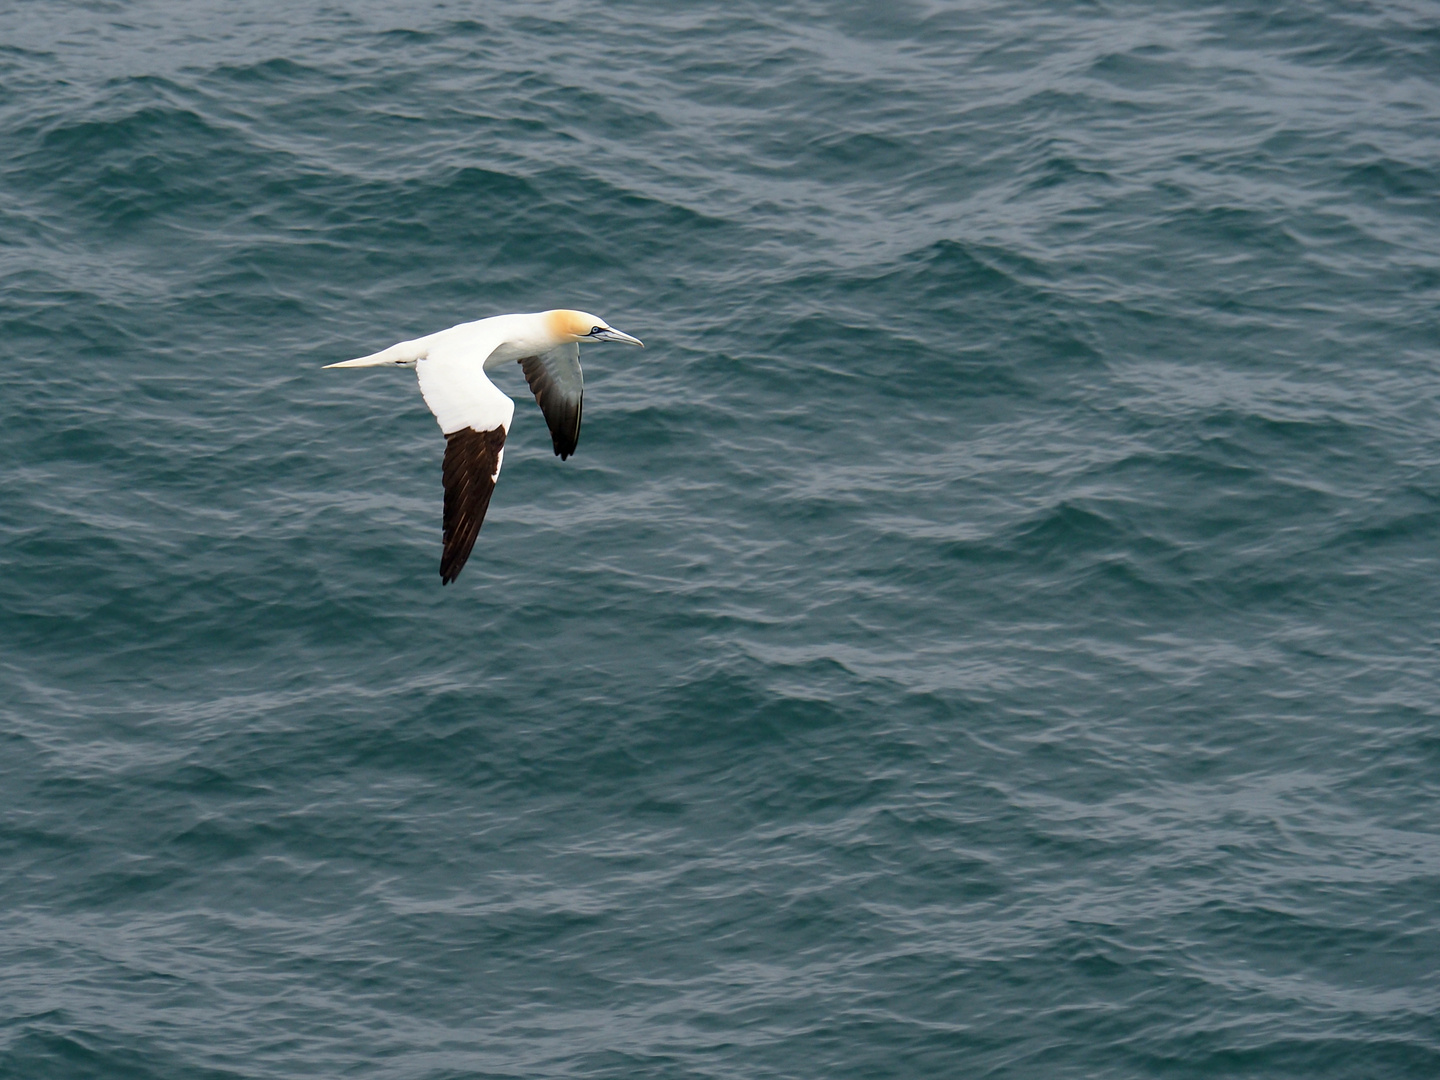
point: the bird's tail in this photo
(404, 354)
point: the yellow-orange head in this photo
(567, 325)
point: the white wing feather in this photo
(453, 381)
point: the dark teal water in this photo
(990, 631)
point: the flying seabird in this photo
(475, 415)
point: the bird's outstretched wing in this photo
(472, 465)
(475, 417)
(559, 388)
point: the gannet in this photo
(475, 415)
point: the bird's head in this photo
(566, 326)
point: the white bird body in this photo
(473, 412)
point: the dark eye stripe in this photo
(596, 330)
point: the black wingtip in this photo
(472, 461)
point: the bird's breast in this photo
(507, 352)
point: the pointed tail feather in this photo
(404, 354)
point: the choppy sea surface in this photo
(992, 630)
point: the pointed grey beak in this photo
(609, 334)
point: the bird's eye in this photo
(596, 330)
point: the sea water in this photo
(991, 629)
